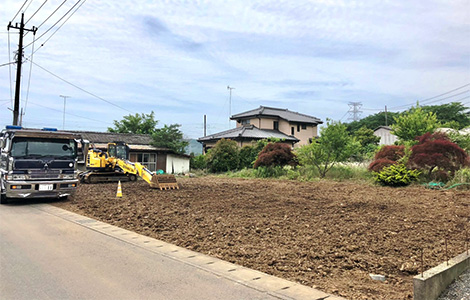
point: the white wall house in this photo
(386, 136)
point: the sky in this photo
(177, 58)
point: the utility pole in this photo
(386, 121)
(19, 61)
(205, 125)
(63, 118)
(230, 103)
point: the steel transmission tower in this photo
(354, 110)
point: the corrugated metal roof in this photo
(264, 111)
(248, 132)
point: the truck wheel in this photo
(132, 177)
(3, 199)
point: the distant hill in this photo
(193, 147)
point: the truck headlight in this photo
(17, 177)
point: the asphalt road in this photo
(46, 256)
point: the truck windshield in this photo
(35, 147)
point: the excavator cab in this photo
(118, 150)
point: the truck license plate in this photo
(46, 187)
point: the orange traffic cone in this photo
(119, 190)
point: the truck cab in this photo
(37, 163)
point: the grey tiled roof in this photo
(109, 137)
(278, 112)
(248, 132)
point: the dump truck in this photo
(37, 163)
(113, 165)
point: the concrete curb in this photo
(434, 281)
(274, 286)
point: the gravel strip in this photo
(459, 289)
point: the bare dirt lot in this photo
(328, 235)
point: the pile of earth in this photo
(324, 234)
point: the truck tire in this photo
(3, 199)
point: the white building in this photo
(386, 136)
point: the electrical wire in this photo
(19, 11)
(52, 13)
(9, 58)
(27, 6)
(35, 11)
(81, 89)
(10, 63)
(70, 114)
(424, 100)
(29, 79)
(59, 27)
(56, 22)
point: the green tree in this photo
(373, 121)
(334, 145)
(413, 123)
(169, 137)
(454, 115)
(223, 157)
(138, 124)
(365, 136)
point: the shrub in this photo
(462, 176)
(391, 152)
(248, 155)
(378, 164)
(275, 154)
(396, 175)
(197, 162)
(223, 157)
(272, 171)
(437, 152)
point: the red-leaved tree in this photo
(436, 151)
(388, 155)
(275, 154)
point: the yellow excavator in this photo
(114, 165)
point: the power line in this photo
(70, 114)
(35, 12)
(59, 27)
(9, 68)
(10, 63)
(19, 11)
(424, 100)
(56, 22)
(29, 79)
(52, 13)
(26, 8)
(81, 89)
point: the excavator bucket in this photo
(164, 182)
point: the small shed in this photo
(141, 151)
(386, 136)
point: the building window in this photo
(276, 125)
(148, 160)
(298, 127)
(304, 126)
(245, 122)
(292, 130)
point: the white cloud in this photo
(177, 57)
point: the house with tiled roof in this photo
(264, 122)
